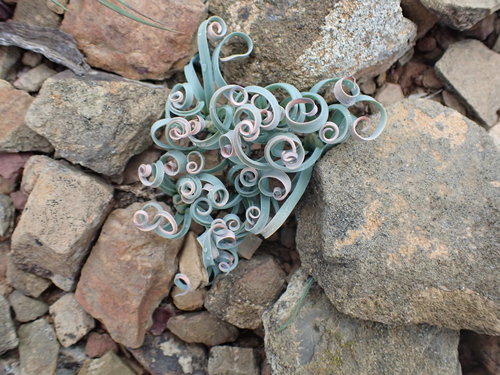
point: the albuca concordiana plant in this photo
(269, 139)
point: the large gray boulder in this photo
(404, 230)
(302, 42)
(322, 340)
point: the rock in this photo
(161, 315)
(451, 101)
(33, 79)
(71, 359)
(411, 71)
(368, 87)
(138, 51)
(481, 349)
(495, 133)
(7, 215)
(55, 45)
(5, 289)
(19, 200)
(99, 121)
(229, 360)
(475, 80)
(166, 355)
(482, 29)
(70, 320)
(32, 59)
(249, 245)
(8, 59)
(461, 14)
(8, 338)
(416, 243)
(302, 42)
(427, 44)
(62, 216)
(130, 174)
(109, 364)
(38, 348)
(35, 13)
(420, 15)
(241, 297)
(202, 328)
(99, 344)
(26, 308)
(11, 165)
(191, 301)
(389, 94)
(321, 340)
(430, 80)
(191, 262)
(56, 8)
(25, 282)
(126, 276)
(15, 136)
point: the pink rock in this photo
(99, 344)
(18, 199)
(160, 318)
(12, 163)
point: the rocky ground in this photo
(400, 234)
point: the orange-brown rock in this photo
(116, 43)
(126, 276)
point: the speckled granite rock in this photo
(302, 42)
(403, 230)
(322, 341)
(8, 337)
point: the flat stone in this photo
(475, 80)
(191, 301)
(26, 308)
(416, 242)
(98, 120)
(70, 320)
(109, 364)
(8, 338)
(321, 340)
(191, 262)
(33, 79)
(245, 293)
(390, 93)
(202, 328)
(461, 14)
(166, 355)
(303, 42)
(137, 51)
(9, 56)
(229, 360)
(38, 348)
(61, 218)
(7, 215)
(15, 136)
(99, 344)
(495, 134)
(35, 13)
(5, 288)
(126, 276)
(28, 283)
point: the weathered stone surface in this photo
(191, 301)
(420, 15)
(302, 42)
(5, 288)
(249, 246)
(137, 51)
(8, 58)
(402, 230)
(166, 355)
(55, 45)
(191, 262)
(28, 283)
(33, 79)
(495, 134)
(241, 297)
(35, 13)
(461, 14)
(56, 8)
(11, 165)
(7, 213)
(8, 338)
(15, 136)
(31, 58)
(70, 320)
(38, 348)
(450, 100)
(99, 344)
(228, 360)
(390, 93)
(202, 328)
(321, 340)
(98, 120)
(126, 276)
(475, 80)
(26, 308)
(108, 364)
(63, 213)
